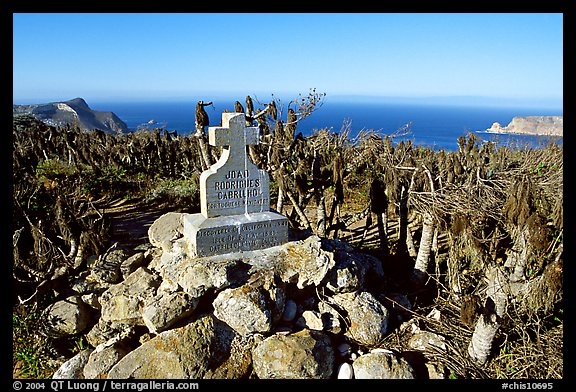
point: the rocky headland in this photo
(73, 112)
(532, 125)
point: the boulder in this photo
(167, 308)
(303, 262)
(165, 230)
(345, 371)
(105, 331)
(382, 365)
(131, 264)
(205, 348)
(124, 302)
(367, 317)
(303, 355)
(69, 316)
(311, 319)
(191, 274)
(246, 309)
(73, 368)
(330, 318)
(427, 341)
(346, 276)
(101, 360)
(107, 268)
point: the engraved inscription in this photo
(245, 237)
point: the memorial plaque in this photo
(230, 234)
(234, 198)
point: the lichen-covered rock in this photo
(311, 319)
(191, 274)
(101, 360)
(107, 268)
(104, 331)
(302, 355)
(331, 319)
(205, 348)
(165, 230)
(69, 316)
(246, 309)
(73, 368)
(368, 318)
(381, 365)
(346, 276)
(166, 309)
(124, 302)
(427, 341)
(132, 263)
(303, 262)
(211, 273)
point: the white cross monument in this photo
(234, 198)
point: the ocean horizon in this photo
(429, 125)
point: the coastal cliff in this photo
(532, 125)
(74, 112)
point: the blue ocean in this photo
(427, 125)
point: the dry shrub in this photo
(518, 205)
(537, 353)
(539, 237)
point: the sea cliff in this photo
(532, 125)
(74, 112)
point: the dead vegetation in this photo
(476, 234)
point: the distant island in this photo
(532, 125)
(73, 112)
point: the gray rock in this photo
(381, 365)
(312, 320)
(73, 368)
(168, 308)
(69, 316)
(101, 360)
(84, 283)
(290, 310)
(104, 331)
(125, 301)
(368, 318)
(345, 371)
(194, 273)
(107, 268)
(344, 349)
(205, 348)
(91, 299)
(166, 230)
(246, 309)
(427, 341)
(346, 276)
(132, 263)
(302, 355)
(330, 318)
(303, 262)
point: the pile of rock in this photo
(305, 309)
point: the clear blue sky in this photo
(160, 56)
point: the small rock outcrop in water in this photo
(532, 125)
(288, 311)
(74, 112)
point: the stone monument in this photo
(234, 198)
